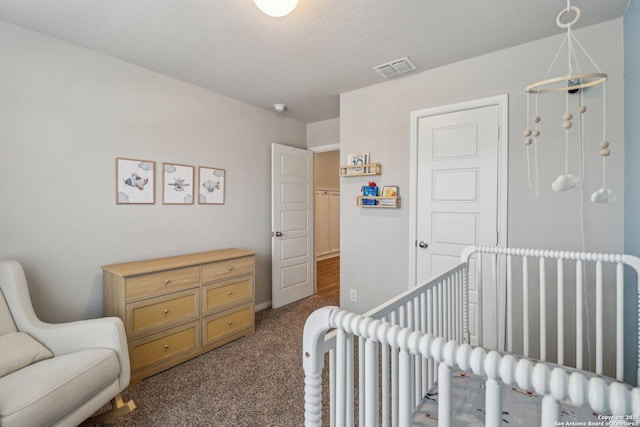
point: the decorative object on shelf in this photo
(369, 190)
(356, 163)
(177, 188)
(575, 80)
(389, 191)
(211, 186)
(380, 202)
(135, 181)
(276, 8)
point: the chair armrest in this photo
(106, 332)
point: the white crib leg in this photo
(445, 401)
(349, 414)
(493, 403)
(341, 378)
(550, 411)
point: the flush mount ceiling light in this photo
(276, 8)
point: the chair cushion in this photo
(50, 389)
(17, 350)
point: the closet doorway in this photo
(327, 223)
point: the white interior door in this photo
(293, 266)
(457, 202)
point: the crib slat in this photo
(341, 378)
(445, 401)
(349, 420)
(620, 322)
(404, 392)
(493, 403)
(599, 318)
(362, 366)
(509, 305)
(525, 305)
(543, 311)
(550, 412)
(579, 324)
(394, 378)
(385, 395)
(371, 385)
(332, 388)
(560, 284)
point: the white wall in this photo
(325, 132)
(66, 113)
(375, 242)
(326, 170)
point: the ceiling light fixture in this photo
(276, 8)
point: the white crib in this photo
(417, 342)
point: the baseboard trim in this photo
(263, 306)
(327, 256)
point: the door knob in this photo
(423, 244)
(278, 233)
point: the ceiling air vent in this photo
(394, 68)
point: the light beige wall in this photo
(66, 113)
(375, 243)
(326, 169)
(325, 132)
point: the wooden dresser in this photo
(179, 307)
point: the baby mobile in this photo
(573, 82)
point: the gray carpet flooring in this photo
(253, 381)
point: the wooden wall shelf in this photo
(370, 168)
(381, 201)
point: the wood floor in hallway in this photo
(328, 277)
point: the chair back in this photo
(7, 279)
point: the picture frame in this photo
(357, 159)
(177, 184)
(135, 181)
(211, 185)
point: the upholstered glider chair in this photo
(56, 374)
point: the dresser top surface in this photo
(158, 264)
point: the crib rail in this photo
(435, 307)
(579, 281)
(554, 385)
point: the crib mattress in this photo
(519, 407)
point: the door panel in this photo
(457, 199)
(292, 224)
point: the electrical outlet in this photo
(353, 295)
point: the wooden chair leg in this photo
(118, 408)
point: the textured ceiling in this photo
(304, 60)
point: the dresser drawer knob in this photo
(166, 346)
(229, 293)
(166, 282)
(166, 311)
(230, 322)
(230, 267)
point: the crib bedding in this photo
(519, 407)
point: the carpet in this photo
(254, 381)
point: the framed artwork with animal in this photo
(211, 186)
(177, 184)
(135, 181)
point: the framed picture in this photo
(177, 184)
(390, 191)
(135, 181)
(211, 186)
(355, 161)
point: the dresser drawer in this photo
(228, 268)
(226, 294)
(222, 325)
(156, 349)
(161, 283)
(160, 312)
